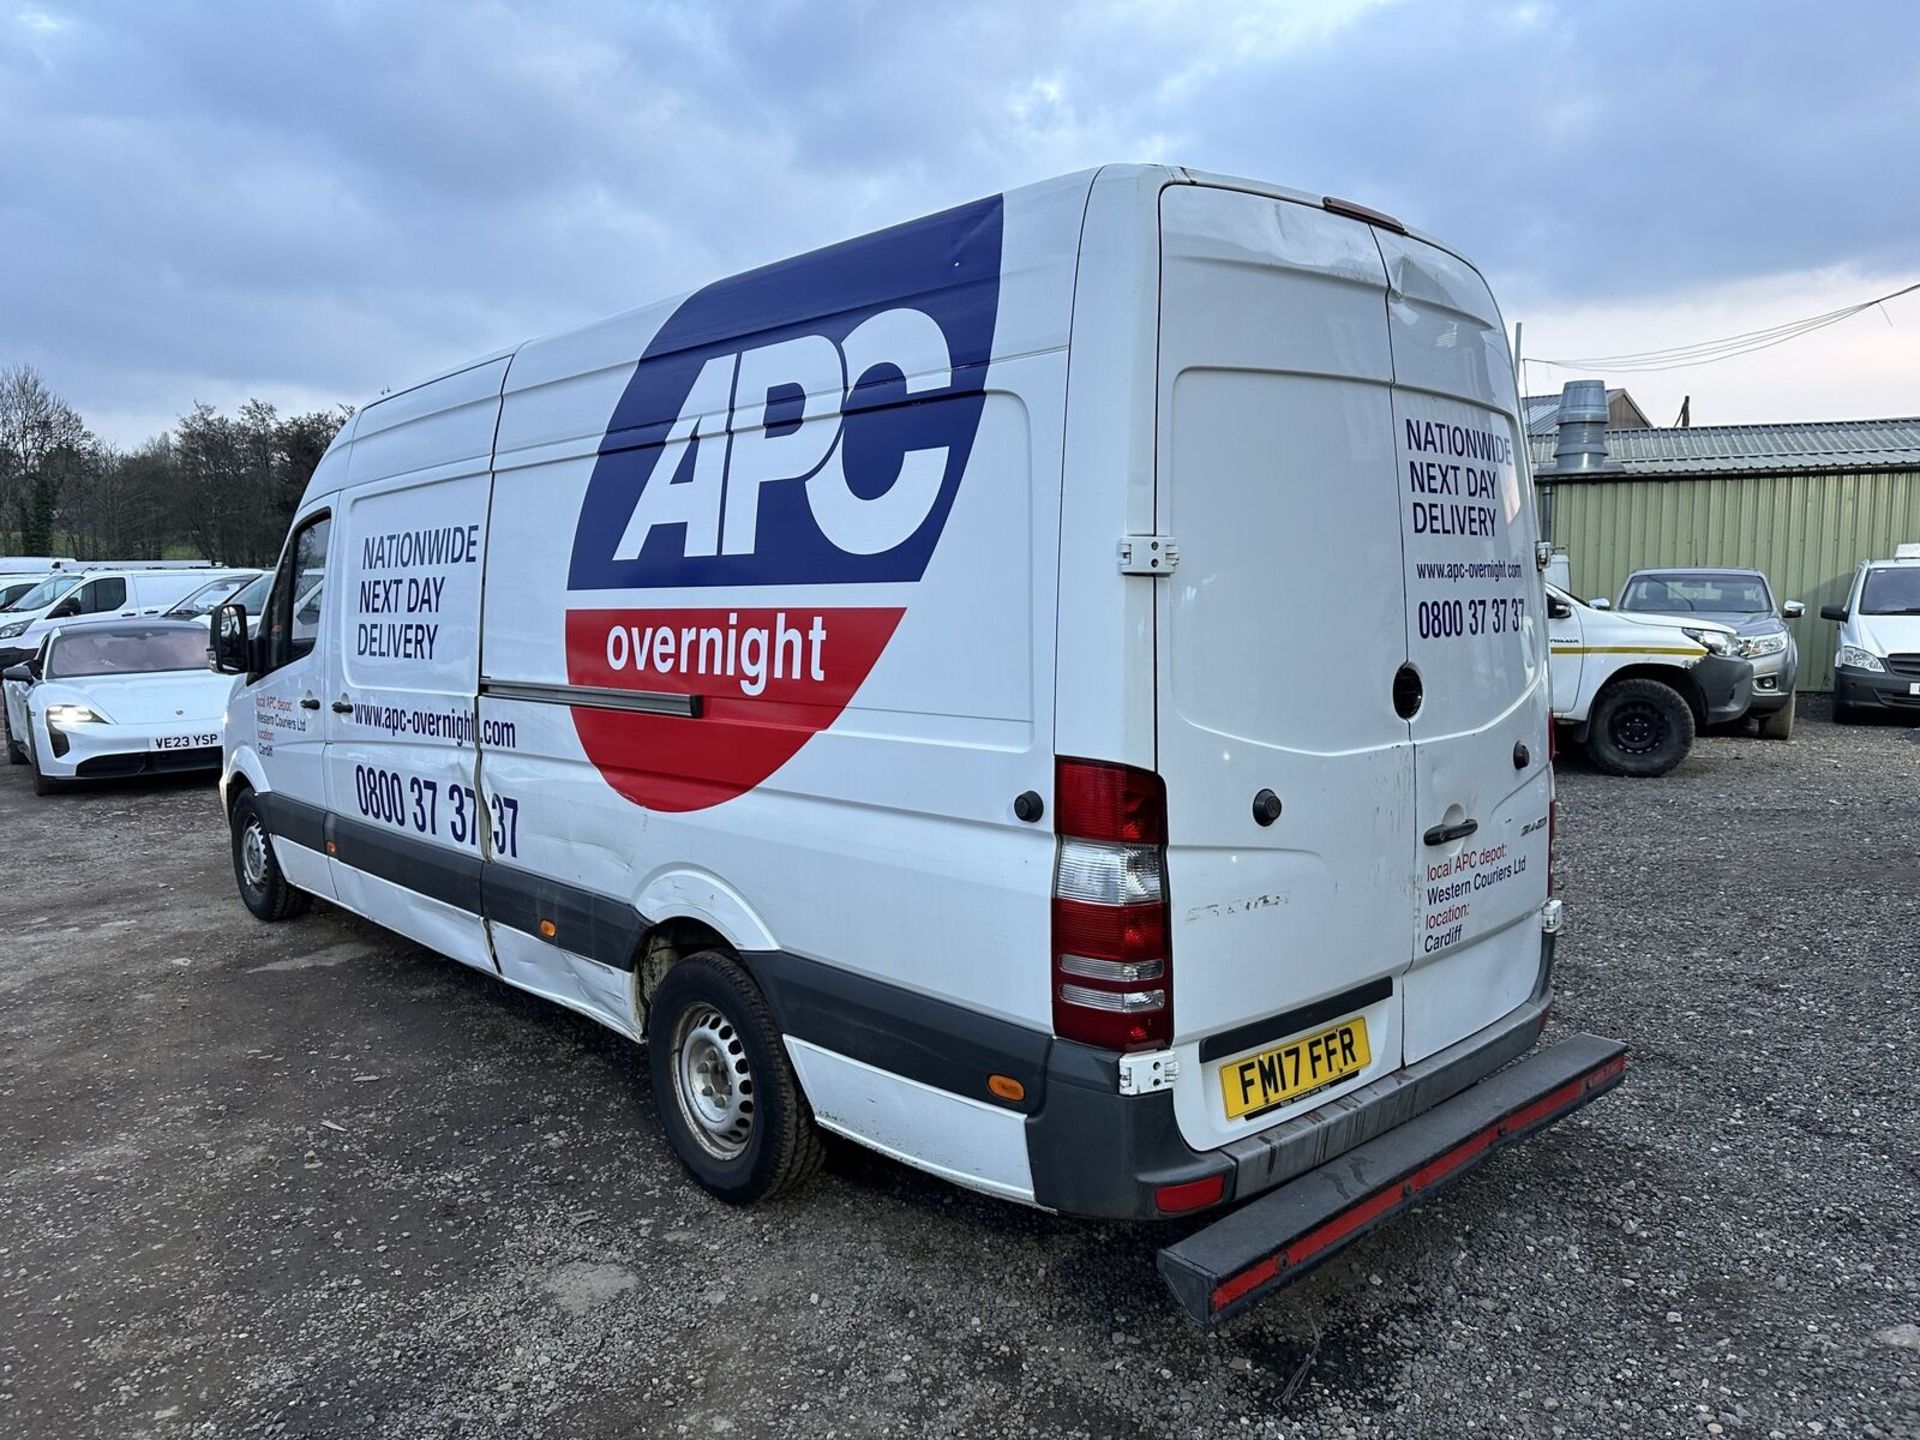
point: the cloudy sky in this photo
(310, 202)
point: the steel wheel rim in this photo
(712, 1082)
(1639, 729)
(253, 856)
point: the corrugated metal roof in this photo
(1757, 449)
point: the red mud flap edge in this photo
(1274, 1240)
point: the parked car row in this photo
(104, 668)
(128, 697)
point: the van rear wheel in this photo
(263, 886)
(1640, 728)
(723, 1086)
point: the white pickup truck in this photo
(1635, 691)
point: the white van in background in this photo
(1876, 659)
(13, 587)
(87, 593)
(803, 677)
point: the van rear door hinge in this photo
(1144, 1074)
(1148, 554)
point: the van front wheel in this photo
(263, 887)
(1640, 728)
(723, 1086)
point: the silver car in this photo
(1745, 601)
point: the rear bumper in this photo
(1222, 1269)
(1096, 1152)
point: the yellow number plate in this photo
(1296, 1068)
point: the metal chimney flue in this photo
(1581, 445)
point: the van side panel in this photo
(769, 611)
(403, 596)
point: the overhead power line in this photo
(1708, 352)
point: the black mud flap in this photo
(1274, 1240)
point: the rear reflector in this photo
(1190, 1195)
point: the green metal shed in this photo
(1806, 503)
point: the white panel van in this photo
(86, 594)
(1054, 691)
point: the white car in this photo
(1635, 691)
(1876, 662)
(125, 698)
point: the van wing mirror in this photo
(22, 673)
(1600, 602)
(1558, 609)
(229, 648)
(1834, 612)
(1792, 610)
(65, 610)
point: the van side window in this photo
(293, 609)
(99, 596)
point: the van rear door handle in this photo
(1447, 834)
(343, 706)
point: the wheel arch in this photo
(664, 944)
(1675, 677)
(243, 775)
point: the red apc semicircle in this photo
(768, 680)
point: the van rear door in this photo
(1476, 637)
(1279, 639)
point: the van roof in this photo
(1142, 176)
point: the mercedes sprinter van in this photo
(1055, 691)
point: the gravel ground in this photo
(311, 1180)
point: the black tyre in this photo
(43, 783)
(1640, 728)
(1779, 725)
(16, 752)
(263, 887)
(725, 1090)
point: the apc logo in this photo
(805, 424)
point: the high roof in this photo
(1838, 445)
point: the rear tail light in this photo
(1112, 965)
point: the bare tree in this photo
(42, 439)
(226, 486)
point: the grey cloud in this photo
(329, 198)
